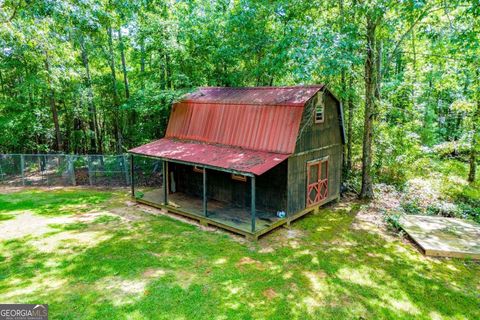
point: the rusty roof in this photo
(278, 96)
(262, 118)
(216, 156)
(240, 123)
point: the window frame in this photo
(319, 103)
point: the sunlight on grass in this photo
(103, 265)
(54, 202)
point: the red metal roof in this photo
(244, 129)
(232, 158)
(261, 118)
(278, 96)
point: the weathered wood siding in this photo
(271, 187)
(316, 140)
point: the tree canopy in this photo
(99, 76)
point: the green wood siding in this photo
(271, 187)
(315, 140)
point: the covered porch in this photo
(246, 195)
(219, 213)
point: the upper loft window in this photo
(319, 111)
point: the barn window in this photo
(198, 169)
(239, 177)
(319, 111)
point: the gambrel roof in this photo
(240, 129)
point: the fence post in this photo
(45, 161)
(22, 168)
(89, 170)
(71, 168)
(125, 169)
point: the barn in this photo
(245, 159)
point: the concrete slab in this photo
(446, 237)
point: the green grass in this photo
(55, 202)
(4, 216)
(154, 267)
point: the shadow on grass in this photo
(161, 268)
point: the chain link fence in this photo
(64, 170)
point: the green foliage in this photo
(392, 220)
(397, 149)
(452, 149)
(100, 77)
(411, 207)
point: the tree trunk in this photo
(370, 88)
(142, 62)
(116, 100)
(349, 126)
(92, 110)
(475, 134)
(124, 64)
(53, 106)
(344, 100)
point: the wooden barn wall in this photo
(316, 135)
(271, 187)
(316, 140)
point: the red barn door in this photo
(317, 181)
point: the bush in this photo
(444, 209)
(392, 220)
(411, 207)
(467, 211)
(452, 149)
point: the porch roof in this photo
(228, 158)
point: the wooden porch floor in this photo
(221, 212)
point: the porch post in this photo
(253, 202)
(165, 182)
(132, 177)
(205, 213)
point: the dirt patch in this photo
(185, 278)
(122, 291)
(270, 294)
(56, 242)
(248, 261)
(153, 273)
(29, 224)
(128, 213)
(370, 216)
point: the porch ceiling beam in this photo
(248, 174)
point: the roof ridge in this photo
(319, 86)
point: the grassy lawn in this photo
(92, 254)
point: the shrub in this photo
(411, 207)
(452, 149)
(392, 220)
(444, 209)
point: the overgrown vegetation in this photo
(329, 265)
(100, 76)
